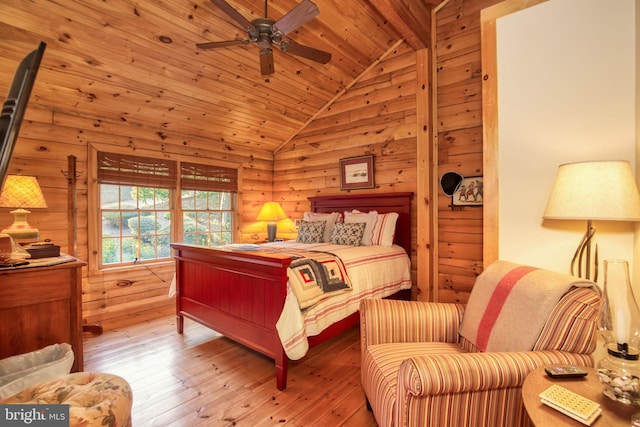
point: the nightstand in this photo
(40, 306)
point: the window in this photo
(139, 216)
(136, 223)
(206, 201)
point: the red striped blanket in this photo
(510, 304)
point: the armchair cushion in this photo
(380, 368)
(510, 304)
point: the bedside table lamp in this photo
(22, 192)
(271, 212)
(597, 190)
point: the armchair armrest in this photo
(441, 374)
(387, 321)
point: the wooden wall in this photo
(459, 129)
(375, 116)
(48, 138)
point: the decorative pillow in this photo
(369, 219)
(348, 234)
(330, 218)
(311, 231)
(385, 229)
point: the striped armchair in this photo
(445, 364)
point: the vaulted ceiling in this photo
(137, 61)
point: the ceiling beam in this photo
(411, 18)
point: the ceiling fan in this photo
(266, 33)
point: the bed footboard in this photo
(239, 294)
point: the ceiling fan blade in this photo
(296, 17)
(305, 51)
(233, 14)
(213, 45)
(266, 62)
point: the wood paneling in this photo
(375, 116)
(107, 79)
(460, 144)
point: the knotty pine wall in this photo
(459, 130)
(376, 116)
(47, 139)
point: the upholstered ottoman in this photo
(94, 398)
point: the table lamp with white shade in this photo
(593, 191)
(22, 192)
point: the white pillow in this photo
(369, 219)
(24, 370)
(329, 218)
(385, 229)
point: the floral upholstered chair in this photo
(441, 364)
(94, 398)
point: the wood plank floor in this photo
(201, 378)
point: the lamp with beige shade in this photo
(594, 190)
(22, 192)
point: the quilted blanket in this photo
(370, 272)
(316, 276)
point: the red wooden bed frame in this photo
(240, 294)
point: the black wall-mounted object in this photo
(15, 105)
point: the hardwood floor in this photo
(201, 378)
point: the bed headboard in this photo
(381, 202)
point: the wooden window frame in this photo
(94, 222)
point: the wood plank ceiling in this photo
(104, 56)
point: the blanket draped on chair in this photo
(506, 310)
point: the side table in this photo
(41, 304)
(613, 413)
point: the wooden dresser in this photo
(40, 306)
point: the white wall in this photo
(567, 79)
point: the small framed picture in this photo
(469, 192)
(356, 172)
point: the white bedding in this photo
(375, 272)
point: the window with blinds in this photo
(207, 200)
(139, 219)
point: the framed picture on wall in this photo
(356, 172)
(469, 192)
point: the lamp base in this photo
(20, 231)
(619, 377)
(272, 228)
(581, 263)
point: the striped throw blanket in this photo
(510, 304)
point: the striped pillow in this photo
(384, 229)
